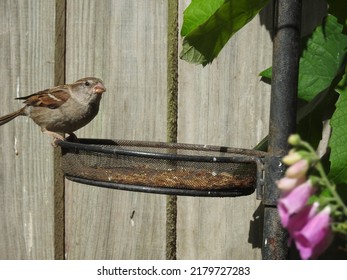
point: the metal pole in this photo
(285, 69)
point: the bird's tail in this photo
(10, 117)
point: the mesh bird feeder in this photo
(164, 168)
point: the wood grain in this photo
(224, 104)
(26, 167)
(124, 43)
(59, 183)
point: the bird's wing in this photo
(51, 98)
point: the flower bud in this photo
(291, 158)
(287, 184)
(294, 139)
(298, 169)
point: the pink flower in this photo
(293, 202)
(298, 220)
(315, 236)
(298, 169)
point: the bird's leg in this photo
(55, 135)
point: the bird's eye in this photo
(87, 84)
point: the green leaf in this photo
(208, 25)
(197, 13)
(322, 59)
(267, 73)
(338, 140)
(191, 54)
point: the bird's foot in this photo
(56, 137)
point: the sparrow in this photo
(62, 109)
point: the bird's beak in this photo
(99, 88)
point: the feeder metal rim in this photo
(178, 157)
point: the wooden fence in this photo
(126, 43)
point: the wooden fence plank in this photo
(226, 104)
(124, 43)
(26, 167)
(59, 182)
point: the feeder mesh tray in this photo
(156, 164)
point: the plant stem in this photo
(331, 187)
